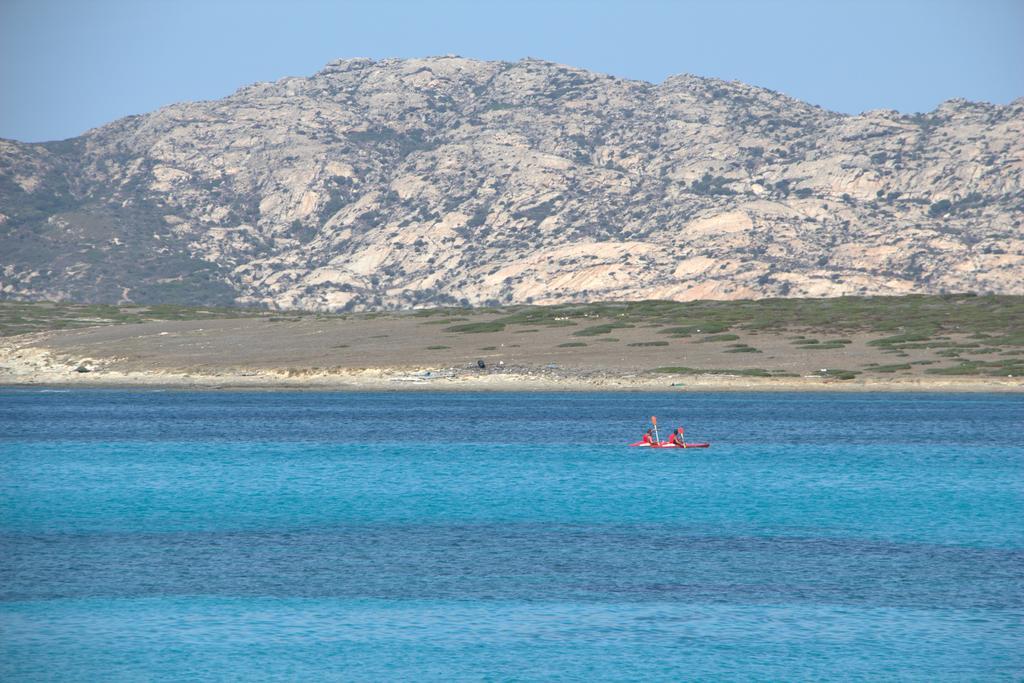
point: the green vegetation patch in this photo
(824, 346)
(890, 368)
(721, 337)
(836, 373)
(549, 316)
(447, 312)
(695, 328)
(1014, 339)
(741, 348)
(19, 317)
(649, 343)
(964, 368)
(606, 328)
(935, 345)
(437, 347)
(901, 339)
(568, 345)
(477, 328)
(994, 368)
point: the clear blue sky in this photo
(66, 66)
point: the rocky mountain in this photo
(380, 184)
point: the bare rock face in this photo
(395, 183)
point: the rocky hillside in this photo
(447, 180)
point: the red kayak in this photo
(666, 444)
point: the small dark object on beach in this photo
(82, 368)
(480, 364)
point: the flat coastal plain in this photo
(941, 343)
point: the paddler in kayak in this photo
(677, 438)
(648, 437)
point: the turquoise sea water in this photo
(212, 536)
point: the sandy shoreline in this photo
(402, 380)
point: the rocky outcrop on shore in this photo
(445, 181)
